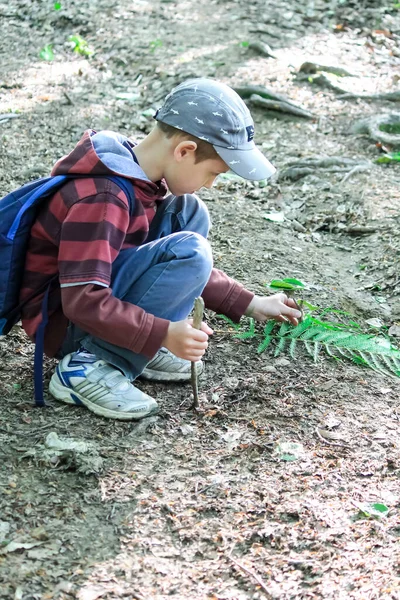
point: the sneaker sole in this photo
(64, 394)
(165, 376)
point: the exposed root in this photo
(381, 128)
(329, 164)
(325, 80)
(246, 91)
(281, 107)
(311, 67)
(391, 96)
(270, 100)
(261, 48)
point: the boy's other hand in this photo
(278, 307)
(185, 341)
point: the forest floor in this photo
(207, 505)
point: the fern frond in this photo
(264, 344)
(269, 327)
(368, 350)
(236, 326)
(317, 346)
(391, 364)
(284, 328)
(245, 335)
(280, 346)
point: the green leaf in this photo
(57, 5)
(381, 508)
(388, 158)
(47, 53)
(374, 510)
(80, 46)
(244, 44)
(310, 306)
(295, 282)
(287, 283)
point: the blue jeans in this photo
(164, 276)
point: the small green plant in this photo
(80, 45)
(388, 158)
(47, 53)
(57, 6)
(155, 44)
(337, 340)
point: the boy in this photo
(127, 282)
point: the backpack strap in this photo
(39, 351)
(42, 190)
(127, 187)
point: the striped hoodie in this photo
(78, 234)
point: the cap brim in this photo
(249, 164)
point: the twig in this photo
(256, 577)
(197, 319)
(68, 98)
(5, 116)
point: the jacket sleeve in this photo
(95, 310)
(224, 295)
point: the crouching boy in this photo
(129, 269)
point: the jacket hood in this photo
(107, 153)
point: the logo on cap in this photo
(250, 133)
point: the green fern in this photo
(363, 349)
(313, 334)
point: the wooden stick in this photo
(197, 319)
(252, 574)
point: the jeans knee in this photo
(201, 257)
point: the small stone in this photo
(282, 362)
(269, 369)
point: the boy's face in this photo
(184, 176)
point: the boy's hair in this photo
(204, 150)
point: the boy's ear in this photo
(184, 148)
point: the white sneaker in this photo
(80, 378)
(165, 366)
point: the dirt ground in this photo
(197, 506)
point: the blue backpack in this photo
(17, 215)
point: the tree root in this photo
(261, 48)
(330, 164)
(310, 67)
(391, 96)
(324, 80)
(281, 107)
(245, 91)
(381, 128)
(270, 100)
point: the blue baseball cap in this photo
(215, 113)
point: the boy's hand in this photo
(278, 307)
(186, 342)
